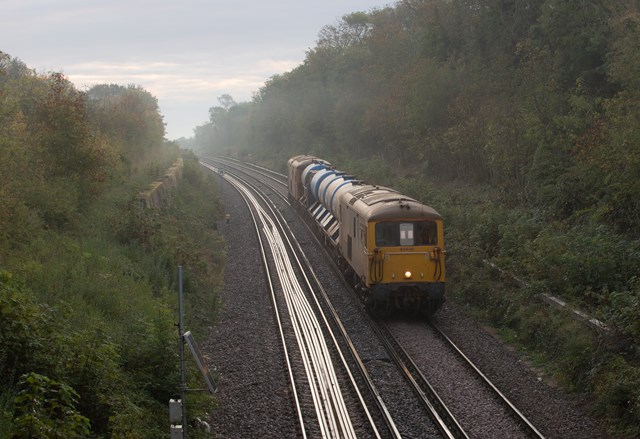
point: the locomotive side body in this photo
(390, 247)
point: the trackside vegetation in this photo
(518, 121)
(88, 279)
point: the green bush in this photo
(26, 328)
(7, 396)
(617, 388)
(45, 408)
(88, 285)
(622, 312)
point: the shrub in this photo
(45, 408)
(624, 309)
(25, 331)
(617, 388)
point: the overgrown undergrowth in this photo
(89, 313)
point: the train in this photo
(389, 246)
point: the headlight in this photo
(407, 274)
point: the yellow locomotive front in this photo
(396, 249)
(406, 267)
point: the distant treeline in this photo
(88, 345)
(61, 147)
(540, 98)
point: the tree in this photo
(130, 118)
(226, 101)
(353, 29)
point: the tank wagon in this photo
(389, 246)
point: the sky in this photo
(186, 53)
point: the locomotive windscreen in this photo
(405, 233)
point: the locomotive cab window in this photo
(426, 233)
(394, 234)
(387, 235)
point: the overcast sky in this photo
(186, 53)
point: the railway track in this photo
(448, 426)
(458, 382)
(308, 325)
(446, 423)
(527, 425)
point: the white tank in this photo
(330, 198)
(324, 185)
(313, 167)
(317, 179)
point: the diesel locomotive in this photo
(389, 246)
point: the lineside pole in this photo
(183, 382)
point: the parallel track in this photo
(332, 414)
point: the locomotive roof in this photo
(376, 203)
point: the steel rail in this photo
(327, 380)
(265, 263)
(318, 400)
(328, 369)
(250, 166)
(246, 171)
(446, 423)
(518, 415)
(323, 359)
(343, 332)
(333, 417)
(364, 374)
(302, 334)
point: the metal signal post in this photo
(183, 381)
(180, 431)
